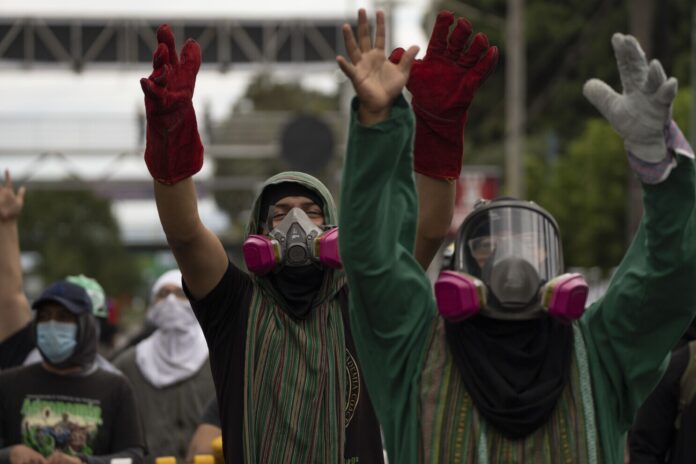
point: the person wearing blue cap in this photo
(17, 341)
(66, 409)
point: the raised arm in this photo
(651, 298)
(443, 86)
(392, 307)
(14, 306)
(435, 210)
(390, 300)
(174, 153)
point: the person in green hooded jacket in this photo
(286, 373)
(501, 374)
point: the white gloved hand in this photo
(642, 112)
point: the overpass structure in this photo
(78, 44)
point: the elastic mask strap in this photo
(586, 394)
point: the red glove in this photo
(443, 85)
(173, 150)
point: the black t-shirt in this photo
(653, 437)
(15, 349)
(223, 315)
(88, 415)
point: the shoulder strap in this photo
(687, 384)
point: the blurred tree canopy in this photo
(75, 232)
(574, 161)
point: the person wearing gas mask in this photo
(169, 370)
(514, 368)
(66, 409)
(288, 381)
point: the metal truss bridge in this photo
(31, 42)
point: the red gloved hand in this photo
(443, 85)
(173, 150)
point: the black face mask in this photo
(515, 371)
(298, 286)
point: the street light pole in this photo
(693, 76)
(515, 92)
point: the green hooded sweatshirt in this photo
(621, 343)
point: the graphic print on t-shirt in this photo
(352, 386)
(61, 423)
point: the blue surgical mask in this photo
(56, 340)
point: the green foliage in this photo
(586, 191)
(76, 233)
(681, 111)
(266, 94)
(585, 186)
(567, 43)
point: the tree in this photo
(75, 232)
(586, 191)
(581, 177)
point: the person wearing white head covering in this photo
(169, 370)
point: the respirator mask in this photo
(508, 264)
(296, 241)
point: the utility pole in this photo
(515, 98)
(641, 25)
(693, 76)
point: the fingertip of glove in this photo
(146, 84)
(617, 39)
(668, 90)
(191, 53)
(445, 15)
(465, 25)
(164, 32)
(396, 55)
(591, 87)
(495, 55)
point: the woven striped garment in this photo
(452, 431)
(295, 371)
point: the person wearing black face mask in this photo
(503, 363)
(66, 409)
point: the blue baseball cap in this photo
(69, 295)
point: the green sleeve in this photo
(649, 303)
(391, 302)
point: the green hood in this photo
(312, 183)
(334, 278)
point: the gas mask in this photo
(508, 265)
(296, 241)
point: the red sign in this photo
(475, 183)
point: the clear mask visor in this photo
(506, 234)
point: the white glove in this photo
(642, 112)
